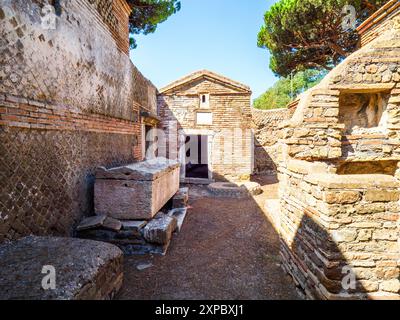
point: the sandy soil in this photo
(227, 249)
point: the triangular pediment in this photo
(205, 81)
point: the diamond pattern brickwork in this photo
(46, 177)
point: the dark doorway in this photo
(196, 156)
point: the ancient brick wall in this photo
(336, 227)
(378, 22)
(267, 132)
(230, 108)
(339, 178)
(70, 101)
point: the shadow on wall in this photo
(312, 258)
(263, 162)
(318, 266)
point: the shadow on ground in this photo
(227, 249)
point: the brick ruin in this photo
(340, 174)
(57, 126)
(267, 133)
(72, 101)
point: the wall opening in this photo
(388, 167)
(197, 157)
(363, 112)
(205, 101)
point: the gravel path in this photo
(227, 249)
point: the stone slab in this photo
(364, 181)
(179, 214)
(159, 231)
(84, 269)
(133, 224)
(91, 222)
(141, 171)
(112, 224)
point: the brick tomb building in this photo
(212, 115)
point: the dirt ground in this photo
(227, 249)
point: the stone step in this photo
(179, 214)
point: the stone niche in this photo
(136, 191)
(361, 111)
(388, 167)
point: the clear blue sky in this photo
(218, 35)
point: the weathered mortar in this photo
(70, 101)
(339, 177)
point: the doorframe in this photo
(182, 150)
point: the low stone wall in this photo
(81, 269)
(267, 133)
(70, 101)
(340, 228)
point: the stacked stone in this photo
(330, 222)
(128, 201)
(320, 134)
(138, 236)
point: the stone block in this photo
(382, 195)
(341, 197)
(390, 286)
(134, 226)
(181, 198)
(353, 181)
(159, 231)
(137, 191)
(179, 214)
(344, 235)
(84, 269)
(112, 224)
(91, 222)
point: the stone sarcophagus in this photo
(136, 191)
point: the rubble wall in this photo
(267, 132)
(70, 101)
